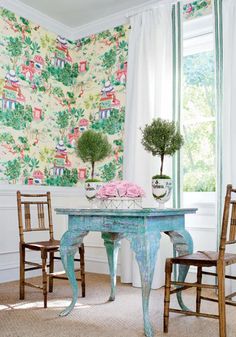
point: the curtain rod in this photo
(149, 5)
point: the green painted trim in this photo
(220, 112)
(179, 108)
(177, 95)
(219, 96)
(174, 58)
(174, 42)
(179, 50)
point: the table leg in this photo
(112, 244)
(183, 244)
(145, 247)
(69, 244)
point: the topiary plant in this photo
(161, 138)
(91, 147)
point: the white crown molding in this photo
(37, 17)
(114, 20)
(93, 27)
(100, 25)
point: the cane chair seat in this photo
(53, 245)
(206, 258)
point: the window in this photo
(198, 113)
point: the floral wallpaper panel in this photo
(51, 91)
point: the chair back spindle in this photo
(228, 230)
(50, 215)
(232, 233)
(34, 213)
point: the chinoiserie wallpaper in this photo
(51, 91)
(197, 8)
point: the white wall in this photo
(95, 255)
(202, 225)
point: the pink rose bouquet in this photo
(120, 189)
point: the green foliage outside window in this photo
(198, 118)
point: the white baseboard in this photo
(192, 275)
(98, 266)
(10, 272)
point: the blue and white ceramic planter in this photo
(161, 190)
(91, 189)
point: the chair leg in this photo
(22, 272)
(198, 297)
(44, 265)
(51, 270)
(168, 271)
(221, 299)
(82, 271)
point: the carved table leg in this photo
(69, 244)
(112, 244)
(183, 244)
(145, 247)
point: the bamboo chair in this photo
(208, 259)
(39, 205)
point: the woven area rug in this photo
(93, 316)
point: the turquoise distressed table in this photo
(142, 227)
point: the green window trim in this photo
(177, 29)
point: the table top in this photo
(142, 212)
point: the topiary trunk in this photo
(162, 162)
(92, 173)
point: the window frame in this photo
(198, 36)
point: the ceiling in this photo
(74, 13)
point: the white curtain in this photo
(229, 93)
(229, 97)
(149, 95)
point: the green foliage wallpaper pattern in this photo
(51, 91)
(197, 8)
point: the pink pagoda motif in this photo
(62, 55)
(38, 114)
(35, 66)
(82, 173)
(61, 160)
(38, 177)
(11, 92)
(83, 124)
(73, 136)
(82, 66)
(108, 101)
(121, 74)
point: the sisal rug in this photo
(93, 316)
